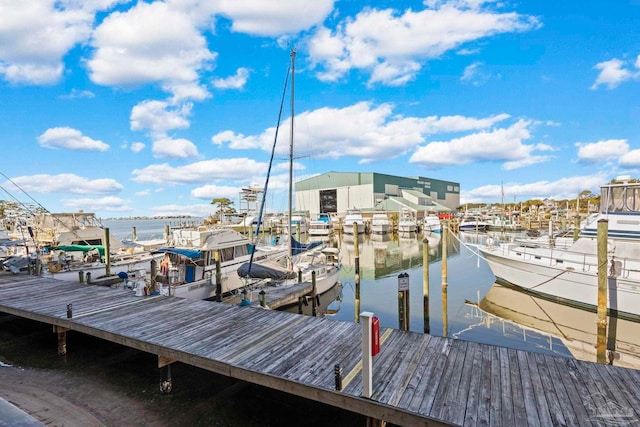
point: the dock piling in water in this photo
(603, 282)
(425, 285)
(445, 320)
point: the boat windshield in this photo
(620, 198)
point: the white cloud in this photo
(201, 172)
(179, 148)
(361, 130)
(70, 139)
(36, 35)
(155, 42)
(137, 147)
(236, 81)
(104, 204)
(393, 46)
(596, 152)
(613, 72)
(209, 192)
(159, 116)
(67, 183)
(274, 18)
(198, 210)
(506, 145)
(475, 74)
(564, 188)
(76, 93)
(630, 159)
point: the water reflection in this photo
(472, 312)
(573, 327)
(326, 304)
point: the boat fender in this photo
(54, 267)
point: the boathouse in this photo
(335, 192)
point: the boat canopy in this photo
(189, 253)
(259, 271)
(78, 248)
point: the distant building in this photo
(335, 192)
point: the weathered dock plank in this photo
(418, 379)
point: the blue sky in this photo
(155, 107)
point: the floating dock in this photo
(418, 379)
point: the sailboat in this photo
(319, 263)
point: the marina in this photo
(419, 379)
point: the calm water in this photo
(382, 259)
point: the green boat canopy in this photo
(79, 248)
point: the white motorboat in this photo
(299, 224)
(321, 226)
(472, 223)
(380, 223)
(571, 274)
(188, 268)
(407, 222)
(73, 243)
(353, 222)
(431, 224)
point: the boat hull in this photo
(570, 282)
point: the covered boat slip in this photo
(418, 379)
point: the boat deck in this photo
(418, 379)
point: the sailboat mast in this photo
(293, 77)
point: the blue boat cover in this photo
(297, 248)
(189, 253)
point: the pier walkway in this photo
(418, 379)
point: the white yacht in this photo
(571, 274)
(407, 222)
(321, 226)
(380, 223)
(353, 222)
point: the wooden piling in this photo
(603, 279)
(153, 267)
(107, 250)
(425, 284)
(314, 295)
(403, 302)
(576, 227)
(356, 261)
(445, 320)
(62, 339)
(218, 277)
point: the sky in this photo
(148, 108)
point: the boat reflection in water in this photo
(327, 304)
(382, 255)
(575, 328)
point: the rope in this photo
(479, 255)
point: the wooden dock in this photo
(418, 379)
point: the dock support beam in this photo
(62, 339)
(166, 383)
